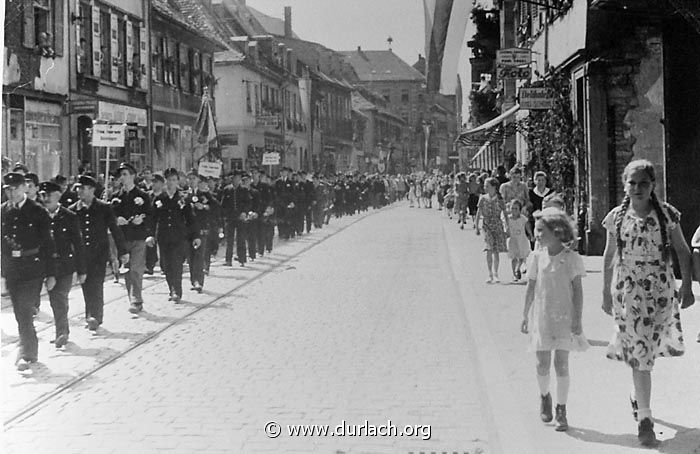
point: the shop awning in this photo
(492, 130)
(483, 148)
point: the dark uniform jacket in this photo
(27, 247)
(265, 196)
(284, 190)
(207, 210)
(131, 204)
(234, 201)
(174, 219)
(70, 251)
(95, 222)
(68, 198)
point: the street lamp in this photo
(426, 133)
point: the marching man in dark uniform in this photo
(252, 224)
(269, 216)
(133, 210)
(284, 191)
(69, 257)
(157, 183)
(264, 206)
(96, 219)
(175, 230)
(206, 211)
(68, 197)
(235, 204)
(27, 259)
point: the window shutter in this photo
(28, 6)
(78, 34)
(96, 51)
(58, 25)
(129, 53)
(114, 47)
(143, 56)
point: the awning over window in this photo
(491, 131)
(483, 148)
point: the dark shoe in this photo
(193, 287)
(518, 275)
(562, 425)
(546, 408)
(92, 323)
(646, 434)
(228, 263)
(176, 299)
(61, 340)
(149, 272)
(198, 289)
(635, 408)
(22, 364)
(135, 308)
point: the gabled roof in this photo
(272, 25)
(191, 15)
(360, 103)
(380, 65)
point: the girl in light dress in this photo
(519, 238)
(492, 210)
(639, 287)
(553, 308)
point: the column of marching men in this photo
(58, 229)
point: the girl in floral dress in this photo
(519, 238)
(639, 286)
(493, 211)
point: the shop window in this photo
(105, 48)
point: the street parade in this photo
(372, 227)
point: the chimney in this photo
(287, 21)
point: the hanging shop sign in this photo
(536, 98)
(108, 135)
(513, 57)
(510, 72)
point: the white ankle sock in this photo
(562, 389)
(644, 413)
(543, 383)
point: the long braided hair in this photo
(647, 167)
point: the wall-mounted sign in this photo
(513, 57)
(511, 72)
(267, 120)
(106, 135)
(270, 159)
(536, 98)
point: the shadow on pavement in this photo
(598, 343)
(73, 349)
(41, 375)
(687, 439)
(593, 436)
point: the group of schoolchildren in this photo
(639, 291)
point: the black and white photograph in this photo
(350, 227)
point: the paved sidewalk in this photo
(122, 331)
(599, 410)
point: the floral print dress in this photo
(494, 235)
(645, 299)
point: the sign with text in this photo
(510, 72)
(270, 159)
(209, 169)
(536, 98)
(513, 57)
(106, 135)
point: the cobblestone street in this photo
(378, 317)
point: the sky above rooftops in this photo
(344, 25)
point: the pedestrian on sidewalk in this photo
(639, 287)
(553, 308)
(69, 257)
(519, 238)
(492, 210)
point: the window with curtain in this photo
(121, 57)
(85, 45)
(156, 58)
(105, 48)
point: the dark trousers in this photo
(172, 256)
(197, 260)
(268, 234)
(93, 288)
(235, 231)
(251, 230)
(306, 217)
(25, 295)
(259, 231)
(317, 215)
(212, 247)
(58, 296)
(151, 258)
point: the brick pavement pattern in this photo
(367, 325)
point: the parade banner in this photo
(108, 135)
(270, 159)
(209, 169)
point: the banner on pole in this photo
(209, 169)
(106, 135)
(270, 159)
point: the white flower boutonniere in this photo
(116, 200)
(159, 204)
(195, 199)
(204, 200)
(181, 203)
(138, 201)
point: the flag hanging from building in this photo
(205, 128)
(445, 25)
